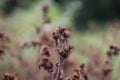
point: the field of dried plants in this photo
(45, 52)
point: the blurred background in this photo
(94, 24)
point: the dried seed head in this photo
(116, 52)
(110, 53)
(66, 34)
(55, 35)
(45, 51)
(61, 30)
(82, 66)
(107, 68)
(60, 51)
(115, 46)
(64, 51)
(76, 74)
(43, 61)
(68, 48)
(9, 76)
(45, 8)
(46, 64)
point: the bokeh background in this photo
(94, 24)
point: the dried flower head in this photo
(9, 76)
(66, 33)
(45, 8)
(114, 46)
(110, 53)
(76, 74)
(55, 35)
(107, 68)
(46, 64)
(45, 50)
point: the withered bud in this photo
(115, 46)
(83, 71)
(66, 34)
(64, 51)
(55, 35)
(9, 76)
(43, 61)
(46, 64)
(45, 51)
(68, 48)
(76, 74)
(107, 62)
(45, 8)
(107, 68)
(82, 66)
(61, 30)
(60, 51)
(116, 52)
(110, 53)
(85, 76)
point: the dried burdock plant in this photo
(42, 38)
(107, 66)
(62, 49)
(107, 70)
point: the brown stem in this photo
(51, 75)
(58, 68)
